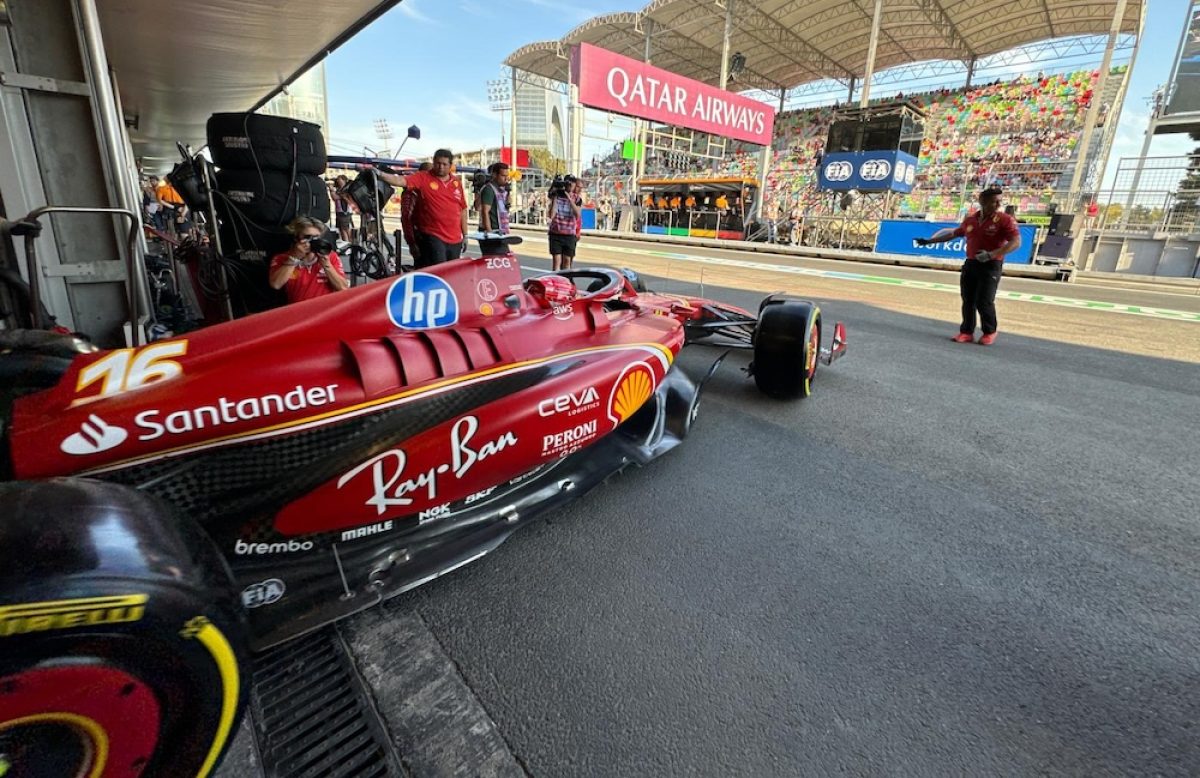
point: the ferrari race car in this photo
(168, 509)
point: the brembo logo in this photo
(422, 301)
(875, 169)
(839, 171)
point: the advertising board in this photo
(868, 171)
(619, 84)
(896, 236)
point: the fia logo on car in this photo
(93, 437)
(875, 169)
(422, 301)
(265, 593)
(839, 171)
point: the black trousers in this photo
(978, 282)
(435, 251)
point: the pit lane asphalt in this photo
(950, 560)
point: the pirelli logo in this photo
(66, 614)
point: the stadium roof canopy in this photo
(787, 43)
(179, 62)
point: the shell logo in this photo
(631, 391)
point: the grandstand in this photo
(1020, 133)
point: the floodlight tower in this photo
(384, 132)
(500, 99)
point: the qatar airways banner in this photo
(619, 84)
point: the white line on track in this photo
(934, 286)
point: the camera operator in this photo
(310, 268)
(492, 200)
(563, 212)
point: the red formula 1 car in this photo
(169, 507)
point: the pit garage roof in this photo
(177, 63)
(792, 42)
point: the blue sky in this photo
(427, 62)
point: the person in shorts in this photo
(563, 212)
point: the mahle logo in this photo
(422, 301)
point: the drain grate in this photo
(314, 716)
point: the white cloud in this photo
(410, 9)
(476, 9)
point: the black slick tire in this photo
(787, 342)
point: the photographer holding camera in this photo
(563, 212)
(310, 268)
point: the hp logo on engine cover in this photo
(838, 171)
(875, 169)
(421, 301)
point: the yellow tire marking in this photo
(214, 640)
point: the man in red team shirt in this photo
(440, 219)
(990, 236)
(301, 272)
(408, 212)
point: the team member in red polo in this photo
(440, 219)
(990, 236)
(301, 272)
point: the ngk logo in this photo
(839, 171)
(875, 170)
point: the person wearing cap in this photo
(991, 235)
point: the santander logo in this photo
(94, 436)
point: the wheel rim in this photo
(814, 348)
(78, 720)
(48, 746)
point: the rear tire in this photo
(787, 342)
(271, 199)
(127, 660)
(253, 141)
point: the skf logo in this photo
(839, 171)
(875, 170)
(94, 436)
(421, 301)
(64, 614)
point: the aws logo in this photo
(422, 301)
